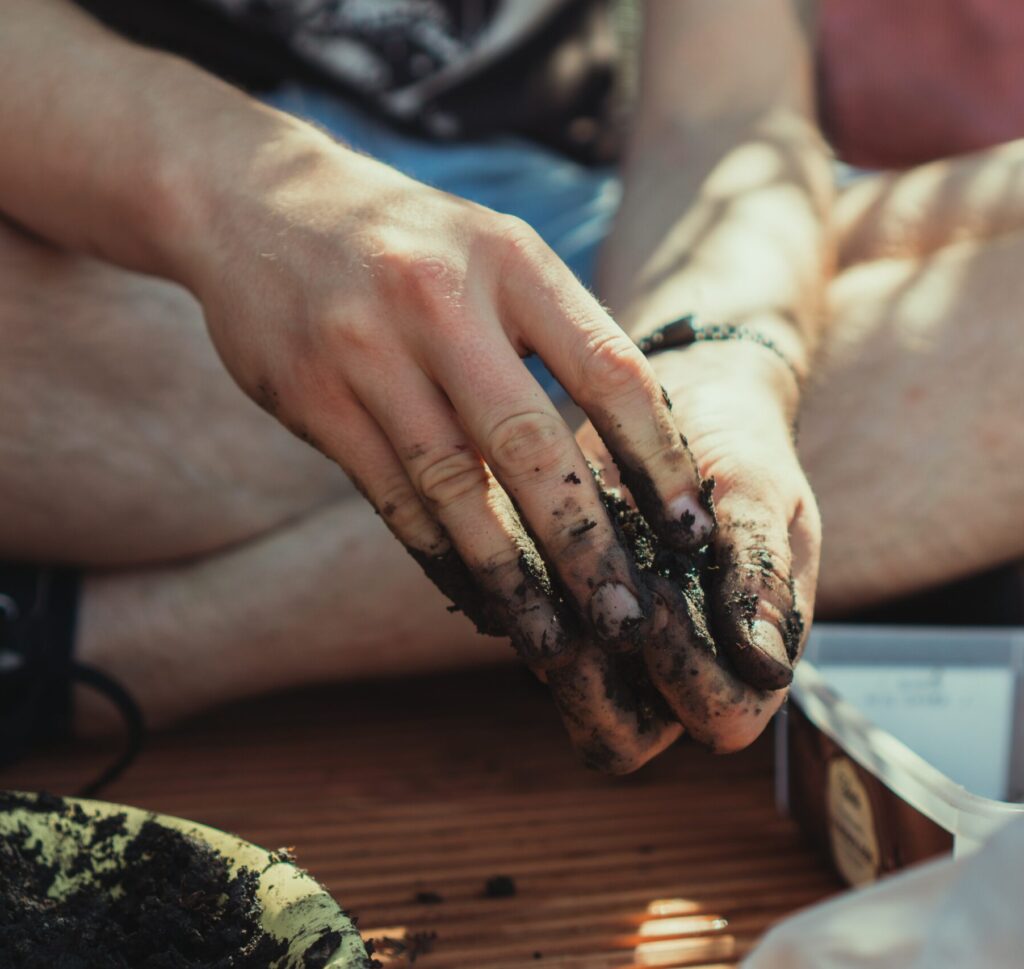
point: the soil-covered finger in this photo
(805, 544)
(535, 456)
(755, 617)
(662, 476)
(496, 556)
(614, 717)
(610, 379)
(696, 678)
(714, 706)
(491, 551)
(368, 458)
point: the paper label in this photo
(959, 719)
(851, 824)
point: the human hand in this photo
(384, 322)
(722, 658)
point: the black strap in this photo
(38, 617)
(129, 710)
(684, 332)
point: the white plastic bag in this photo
(942, 915)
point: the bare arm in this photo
(104, 141)
(728, 182)
(727, 188)
(380, 320)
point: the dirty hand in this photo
(724, 663)
(384, 322)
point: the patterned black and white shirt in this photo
(444, 68)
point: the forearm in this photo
(116, 150)
(727, 192)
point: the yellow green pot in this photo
(294, 907)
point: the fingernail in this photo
(691, 519)
(771, 669)
(540, 638)
(614, 611)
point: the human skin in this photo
(215, 574)
(926, 314)
(725, 213)
(381, 321)
(407, 312)
(378, 319)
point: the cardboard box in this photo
(902, 743)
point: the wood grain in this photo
(435, 785)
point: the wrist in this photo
(776, 332)
(726, 374)
(200, 198)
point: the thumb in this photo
(756, 620)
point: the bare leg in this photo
(224, 557)
(122, 438)
(910, 215)
(913, 439)
(913, 435)
(330, 597)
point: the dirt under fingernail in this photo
(765, 663)
(692, 517)
(615, 611)
(539, 636)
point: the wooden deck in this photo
(389, 790)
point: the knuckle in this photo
(668, 453)
(431, 278)
(612, 366)
(528, 443)
(519, 249)
(330, 330)
(758, 586)
(452, 477)
(354, 335)
(401, 509)
(518, 237)
(500, 569)
(763, 560)
(747, 478)
(335, 348)
(420, 276)
(757, 550)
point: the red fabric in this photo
(907, 81)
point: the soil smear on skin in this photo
(450, 574)
(171, 901)
(676, 533)
(493, 617)
(659, 550)
(628, 685)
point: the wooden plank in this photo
(435, 785)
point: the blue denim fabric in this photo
(569, 204)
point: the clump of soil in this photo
(170, 903)
(500, 886)
(648, 555)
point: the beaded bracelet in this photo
(683, 333)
